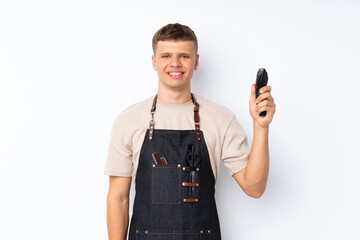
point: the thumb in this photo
(253, 93)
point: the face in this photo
(175, 62)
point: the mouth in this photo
(176, 74)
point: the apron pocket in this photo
(166, 184)
(142, 234)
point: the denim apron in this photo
(174, 201)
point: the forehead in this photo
(175, 46)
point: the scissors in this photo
(193, 162)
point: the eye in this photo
(184, 56)
(165, 56)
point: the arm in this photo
(118, 207)
(253, 178)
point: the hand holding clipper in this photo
(261, 81)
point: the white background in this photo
(67, 68)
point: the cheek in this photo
(190, 64)
(161, 65)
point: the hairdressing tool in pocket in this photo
(157, 159)
(163, 160)
(193, 162)
(261, 81)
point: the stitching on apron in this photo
(152, 184)
(180, 183)
(173, 233)
(190, 131)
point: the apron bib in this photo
(175, 199)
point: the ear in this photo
(154, 62)
(196, 61)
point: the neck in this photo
(174, 96)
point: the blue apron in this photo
(174, 200)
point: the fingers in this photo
(266, 105)
(264, 93)
(263, 96)
(265, 102)
(265, 89)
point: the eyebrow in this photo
(171, 53)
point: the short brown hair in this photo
(176, 32)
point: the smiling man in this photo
(175, 62)
(173, 157)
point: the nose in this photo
(175, 62)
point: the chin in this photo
(173, 85)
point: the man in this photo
(174, 157)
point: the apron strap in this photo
(196, 117)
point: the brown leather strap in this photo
(152, 122)
(196, 117)
(154, 104)
(190, 184)
(187, 200)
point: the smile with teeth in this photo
(176, 75)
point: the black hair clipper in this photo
(261, 81)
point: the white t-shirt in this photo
(224, 136)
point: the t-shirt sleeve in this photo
(235, 151)
(119, 156)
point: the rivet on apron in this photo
(179, 165)
(201, 231)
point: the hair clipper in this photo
(261, 81)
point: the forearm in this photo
(117, 218)
(257, 170)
